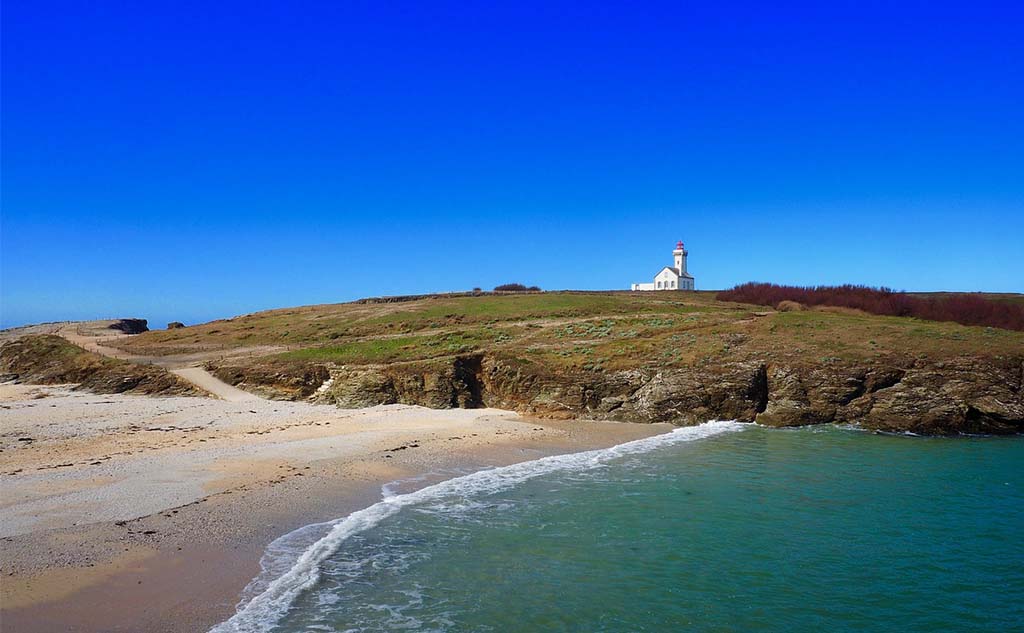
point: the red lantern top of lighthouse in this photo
(679, 245)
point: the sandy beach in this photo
(134, 513)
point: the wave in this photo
(268, 599)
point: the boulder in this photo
(130, 326)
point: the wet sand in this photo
(132, 513)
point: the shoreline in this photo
(183, 566)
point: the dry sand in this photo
(132, 513)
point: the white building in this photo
(674, 278)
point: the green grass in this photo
(514, 308)
(328, 325)
(389, 350)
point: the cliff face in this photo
(917, 396)
(272, 381)
(943, 398)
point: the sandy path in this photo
(88, 336)
(205, 380)
(75, 333)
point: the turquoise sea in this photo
(722, 527)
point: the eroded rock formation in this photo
(907, 395)
(130, 326)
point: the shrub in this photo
(790, 306)
(516, 288)
(966, 309)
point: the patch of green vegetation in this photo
(586, 329)
(434, 313)
(385, 350)
(660, 323)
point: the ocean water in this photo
(721, 527)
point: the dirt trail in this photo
(205, 380)
(72, 332)
(186, 369)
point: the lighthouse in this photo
(673, 277)
(679, 255)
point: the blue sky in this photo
(189, 161)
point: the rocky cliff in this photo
(899, 395)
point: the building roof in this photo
(675, 271)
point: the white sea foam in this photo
(271, 597)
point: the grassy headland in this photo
(620, 355)
(575, 330)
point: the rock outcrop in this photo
(910, 395)
(130, 326)
(275, 381)
(175, 325)
(950, 398)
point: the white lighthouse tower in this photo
(679, 255)
(671, 278)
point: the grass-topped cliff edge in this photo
(47, 359)
(676, 357)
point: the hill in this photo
(642, 357)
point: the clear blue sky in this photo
(194, 160)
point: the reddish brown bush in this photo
(967, 309)
(516, 288)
